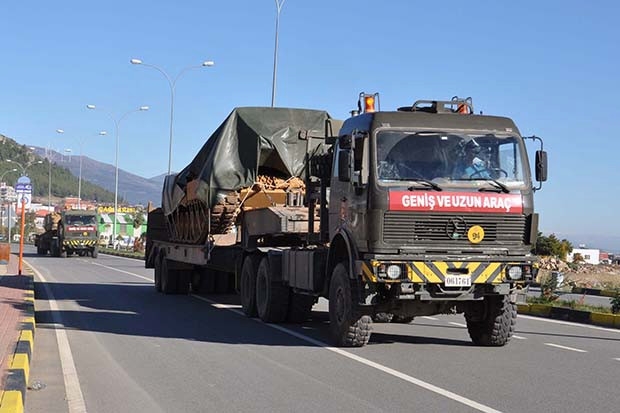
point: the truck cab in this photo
(433, 206)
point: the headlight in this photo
(515, 273)
(393, 272)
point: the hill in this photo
(132, 188)
(63, 182)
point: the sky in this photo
(552, 66)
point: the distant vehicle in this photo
(69, 232)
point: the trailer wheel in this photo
(247, 290)
(168, 282)
(347, 327)
(157, 272)
(183, 279)
(494, 323)
(299, 307)
(271, 295)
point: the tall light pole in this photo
(279, 4)
(172, 83)
(24, 168)
(81, 143)
(116, 125)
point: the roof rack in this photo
(455, 105)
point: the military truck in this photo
(69, 232)
(415, 212)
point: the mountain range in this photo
(132, 188)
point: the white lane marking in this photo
(457, 324)
(565, 348)
(226, 306)
(430, 318)
(75, 398)
(617, 359)
(443, 392)
(518, 337)
(123, 271)
(569, 323)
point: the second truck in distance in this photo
(69, 232)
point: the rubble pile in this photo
(601, 276)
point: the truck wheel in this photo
(157, 273)
(346, 326)
(168, 279)
(94, 252)
(271, 294)
(299, 307)
(63, 254)
(401, 319)
(247, 289)
(494, 324)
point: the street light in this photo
(6, 172)
(172, 83)
(24, 168)
(279, 4)
(81, 144)
(116, 125)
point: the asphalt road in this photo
(107, 342)
(592, 300)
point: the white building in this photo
(589, 255)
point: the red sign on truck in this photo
(456, 202)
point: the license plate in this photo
(458, 281)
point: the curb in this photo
(568, 314)
(13, 397)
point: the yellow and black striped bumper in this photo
(79, 243)
(435, 272)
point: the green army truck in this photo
(428, 209)
(69, 232)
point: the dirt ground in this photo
(602, 276)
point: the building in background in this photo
(589, 255)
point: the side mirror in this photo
(344, 165)
(541, 166)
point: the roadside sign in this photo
(23, 190)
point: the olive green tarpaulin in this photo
(272, 139)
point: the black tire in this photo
(494, 324)
(95, 252)
(299, 307)
(157, 273)
(383, 317)
(41, 250)
(168, 278)
(183, 279)
(271, 294)
(63, 254)
(401, 319)
(247, 287)
(347, 327)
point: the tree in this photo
(551, 245)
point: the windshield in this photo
(445, 157)
(81, 220)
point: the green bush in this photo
(615, 304)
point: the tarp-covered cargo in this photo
(251, 141)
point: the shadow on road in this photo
(135, 309)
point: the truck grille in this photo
(405, 228)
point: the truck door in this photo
(348, 195)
